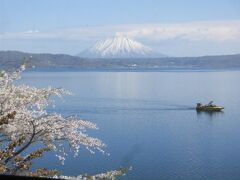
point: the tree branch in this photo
(24, 147)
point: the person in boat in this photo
(199, 105)
(208, 107)
(211, 104)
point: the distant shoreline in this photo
(127, 70)
(58, 62)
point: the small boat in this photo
(210, 107)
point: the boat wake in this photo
(160, 108)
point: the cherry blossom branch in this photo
(24, 147)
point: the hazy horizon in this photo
(186, 28)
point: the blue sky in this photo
(174, 27)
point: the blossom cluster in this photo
(31, 119)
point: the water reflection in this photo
(148, 121)
(209, 113)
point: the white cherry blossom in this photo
(35, 123)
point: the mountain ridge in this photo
(119, 47)
(13, 59)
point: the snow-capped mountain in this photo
(119, 47)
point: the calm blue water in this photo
(148, 122)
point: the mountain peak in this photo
(118, 47)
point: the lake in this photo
(148, 121)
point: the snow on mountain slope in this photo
(119, 47)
